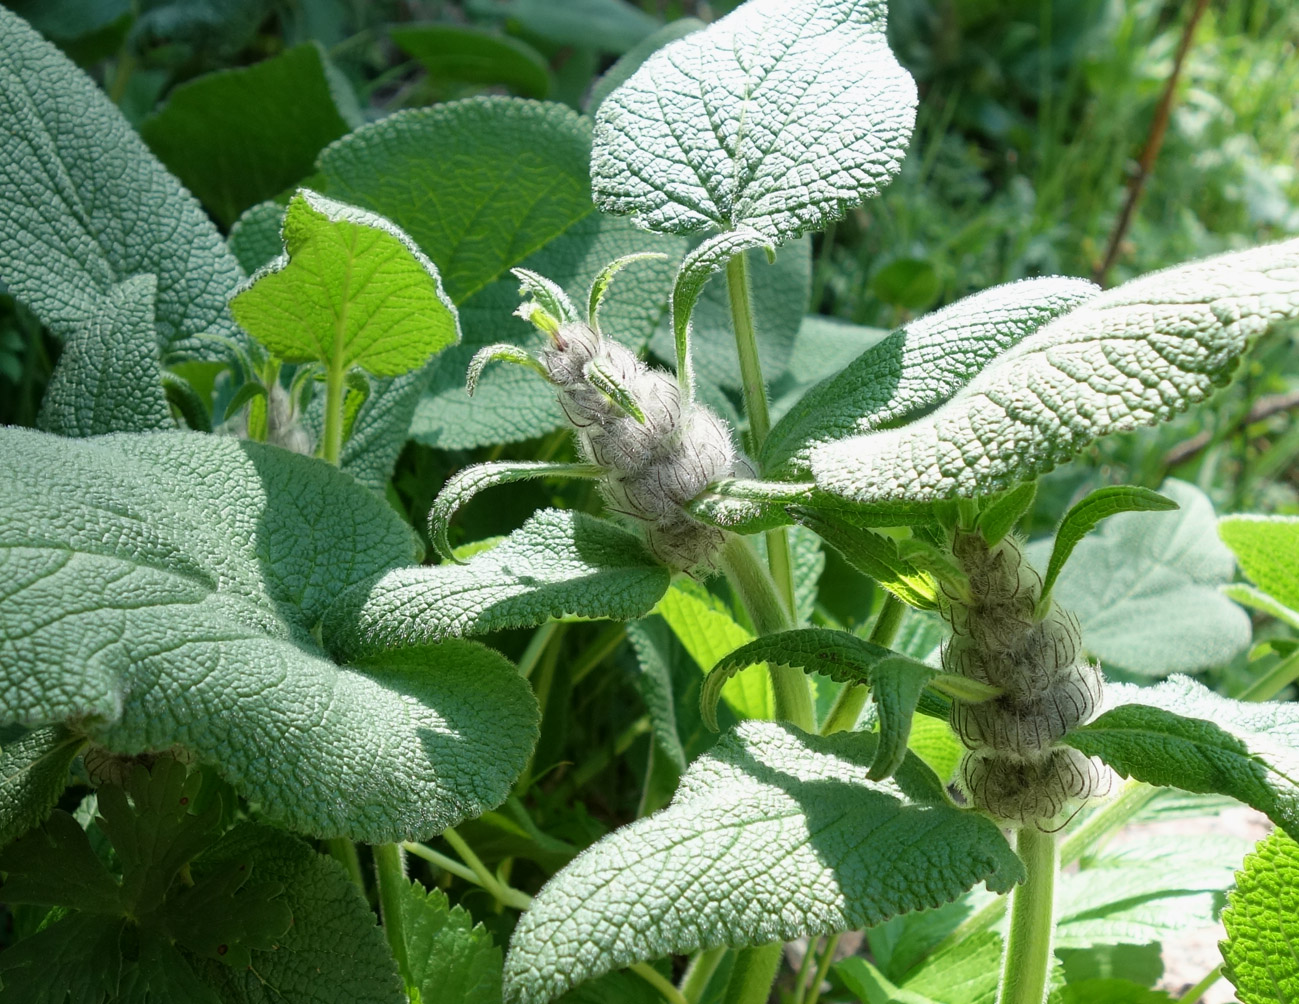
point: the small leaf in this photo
(1083, 516)
(1248, 596)
(1180, 734)
(1169, 570)
(33, 773)
(601, 284)
(651, 641)
(108, 378)
(608, 384)
(351, 290)
(874, 555)
(465, 484)
(54, 865)
(242, 397)
(790, 819)
(966, 973)
(1267, 548)
(999, 517)
(1130, 356)
(556, 564)
(696, 269)
(1262, 921)
(452, 959)
(918, 366)
(501, 352)
(781, 116)
(895, 681)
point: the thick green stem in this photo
(754, 972)
(658, 981)
(846, 710)
(1027, 960)
(505, 895)
(700, 973)
(343, 851)
(812, 992)
(390, 870)
(758, 594)
(331, 445)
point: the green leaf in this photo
(149, 555)
(556, 564)
(1262, 921)
(920, 365)
(79, 957)
(483, 186)
(966, 973)
(781, 116)
(706, 628)
(1182, 735)
(333, 953)
(351, 290)
(1083, 516)
(1248, 596)
(1267, 548)
(108, 378)
(238, 136)
(651, 641)
(895, 681)
(1146, 589)
(607, 25)
(872, 554)
(33, 773)
(255, 238)
(54, 865)
(999, 516)
(84, 206)
(461, 53)
(789, 819)
(1110, 991)
(452, 959)
(1130, 356)
(907, 283)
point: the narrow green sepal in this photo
(1002, 513)
(607, 384)
(503, 352)
(601, 284)
(242, 397)
(548, 296)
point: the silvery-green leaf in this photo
(558, 563)
(1131, 356)
(84, 205)
(631, 60)
(772, 834)
(1180, 734)
(783, 116)
(255, 237)
(108, 378)
(160, 605)
(920, 365)
(1146, 589)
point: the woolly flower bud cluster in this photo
(659, 451)
(1015, 768)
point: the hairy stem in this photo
(390, 870)
(758, 594)
(700, 972)
(812, 993)
(343, 851)
(331, 444)
(1027, 960)
(847, 706)
(754, 972)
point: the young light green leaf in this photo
(465, 484)
(895, 681)
(1167, 569)
(781, 116)
(1262, 921)
(999, 517)
(462, 53)
(351, 290)
(696, 269)
(1083, 516)
(148, 556)
(108, 378)
(1182, 735)
(556, 564)
(85, 206)
(333, 953)
(918, 366)
(1267, 548)
(872, 554)
(33, 773)
(706, 628)
(1131, 356)
(790, 819)
(238, 136)
(1248, 596)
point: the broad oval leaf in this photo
(1181, 734)
(558, 563)
(772, 834)
(919, 366)
(171, 598)
(781, 116)
(84, 205)
(1132, 356)
(350, 290)
(1262, 922)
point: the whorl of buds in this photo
(1014, 769)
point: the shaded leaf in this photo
(458, 52)
(452, 959)
(33, 773)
